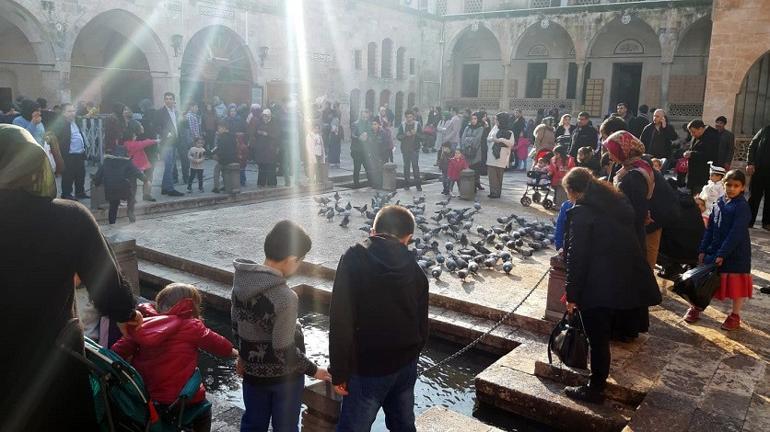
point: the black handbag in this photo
(569, 341)
(698, 285)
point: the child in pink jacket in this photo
(136, 153)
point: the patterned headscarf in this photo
(628, 150)
(23, 163)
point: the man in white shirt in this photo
(169, 137)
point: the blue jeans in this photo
(169, 154)
(280, 402)
(394, 393)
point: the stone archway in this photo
(25, 54)
(114, 58)
(687, 83)
(216, 62)
(752, 104)
(384, 98)
(628, 50)
(476, 66)
(369, 103)
(544, 61)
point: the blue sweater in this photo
(561, 220)
(727, 236)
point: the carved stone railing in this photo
(531, 105)
(473, 103)
(741, 147)
(685, 110)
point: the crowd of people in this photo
(621, 212)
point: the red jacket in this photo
(558, 171)
(456, 165)
(165, 350)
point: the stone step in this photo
(440, 419)
(542, 400)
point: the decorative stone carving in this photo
(539, 50)
(629, 47)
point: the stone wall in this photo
(740, 36)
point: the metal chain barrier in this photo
(479, 339)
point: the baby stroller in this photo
(539, 182)
(122, 402)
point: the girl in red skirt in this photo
(726, 243)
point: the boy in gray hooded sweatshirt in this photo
(272, 357)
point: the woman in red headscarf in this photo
(636, 180)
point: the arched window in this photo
(386, 67)
(399, 107)
(371, 59)
(355, 105)
(384, 98)
(370, 101)
(400, 54)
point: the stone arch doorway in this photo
(687, 83)
(112, 60)
(22, 55)
(476, 70)
(544, 61)
(216, 62)
(752, 104)
(399, 108)
(355, 105)
(370, 102)
(627, 50)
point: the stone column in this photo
(665, 78)
(505, 98)
(581, 68)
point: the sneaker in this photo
(68, 197)
(584, 393)
(765, 290)
(692, 315)
(174, 193)
(733, 322)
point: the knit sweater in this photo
(264, 319)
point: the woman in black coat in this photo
(46, 242)
(607, 273)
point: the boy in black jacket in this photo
(118, 175)
(225, 152)
(379, 325)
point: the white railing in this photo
(92, 129)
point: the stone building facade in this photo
(499, 54)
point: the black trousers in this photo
(759, 188)
(74, 172)
(194, 172)
(598, 323)
(181, 154)
(358, 162)
(267, 175)
(412, 159)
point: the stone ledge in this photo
(440, 419)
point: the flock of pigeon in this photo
(466, 249)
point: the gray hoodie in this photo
(264, 319)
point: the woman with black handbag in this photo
(607, 273)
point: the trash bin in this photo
(389, 176)
(233, 178)
(467, 184)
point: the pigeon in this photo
(490, 262)
(505, 256)
(443, 203)
(323, 210)
(418, 200)
(464, 240)
(366, 228)
(339, 209)
(436, 272)
(437, 217)
(361, 209)
(481, 248)
(449, 246)
(491, 238)
(423, 264)
(507, 267)
(462, 274)
(461, 263)
(337, 196)
(450, 264)
(468, 251)
(321, 200)
(440, 258)
(505, 237)
(417, 240)
(345, 221)
(370, 215)
(499, 246)
(477, 205)
(482, 231)
(348, 206)
(330, 215)
(467, 226)
(503, 220)
(510, 244)
(473, 267)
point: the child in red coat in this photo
(164, 350)
(455, 167)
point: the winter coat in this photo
(409, 144)
(726, 149)
(455, 166)
(136, 151)
(711, 193)
(544, 137)
(663, 205)
(196, 157)
(119, 176)
(165, 350)
(634, 187)
(759, 150)
(561, 221)
(114, 130)
(379, 310)
(704, 150)
(583, 137)
(505, 150)
(227, 149)
(727, 235)
(451, 132)
(558, 171)
(656, 142)
(264, 320)
(636, 125)
(357, 146)
(471, 144)
(268, 143)
(606, 268)
(681, 239)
